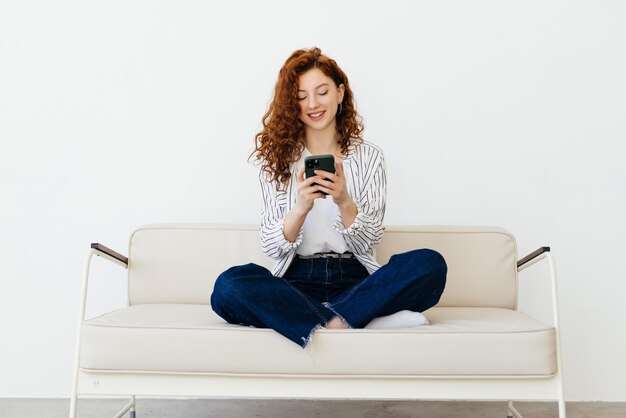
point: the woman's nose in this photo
(313, 103)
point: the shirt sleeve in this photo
(273, 212)
(367, 228)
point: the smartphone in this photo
(324, 162)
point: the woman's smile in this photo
(317, 116)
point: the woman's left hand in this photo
(335, 186)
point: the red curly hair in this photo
(281, 142)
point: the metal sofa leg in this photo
(133, 414)
(561, 407)
(129, 407)
(73, 404)
(512, 411)
(74, 398)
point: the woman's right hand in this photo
(307, 193)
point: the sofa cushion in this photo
(191, 338)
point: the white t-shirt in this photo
(318, 234)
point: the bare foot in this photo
(337, 323)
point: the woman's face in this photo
(318, 97)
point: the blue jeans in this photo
(313, 291)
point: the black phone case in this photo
(324, 162)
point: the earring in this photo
(340, 109)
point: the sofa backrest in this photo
(482, 261)
(178, 263)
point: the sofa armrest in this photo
(544, 253)
(530, 257)
(106, 252)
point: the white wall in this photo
(115, 114)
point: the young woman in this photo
(322, 230)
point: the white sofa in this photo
(169, 342)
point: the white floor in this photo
(196, 408)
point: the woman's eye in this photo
(321, 94)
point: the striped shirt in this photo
(364, 167)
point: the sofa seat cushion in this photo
(192, 338)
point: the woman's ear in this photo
(342, 89)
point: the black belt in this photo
(325, 255)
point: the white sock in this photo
(402, 319)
